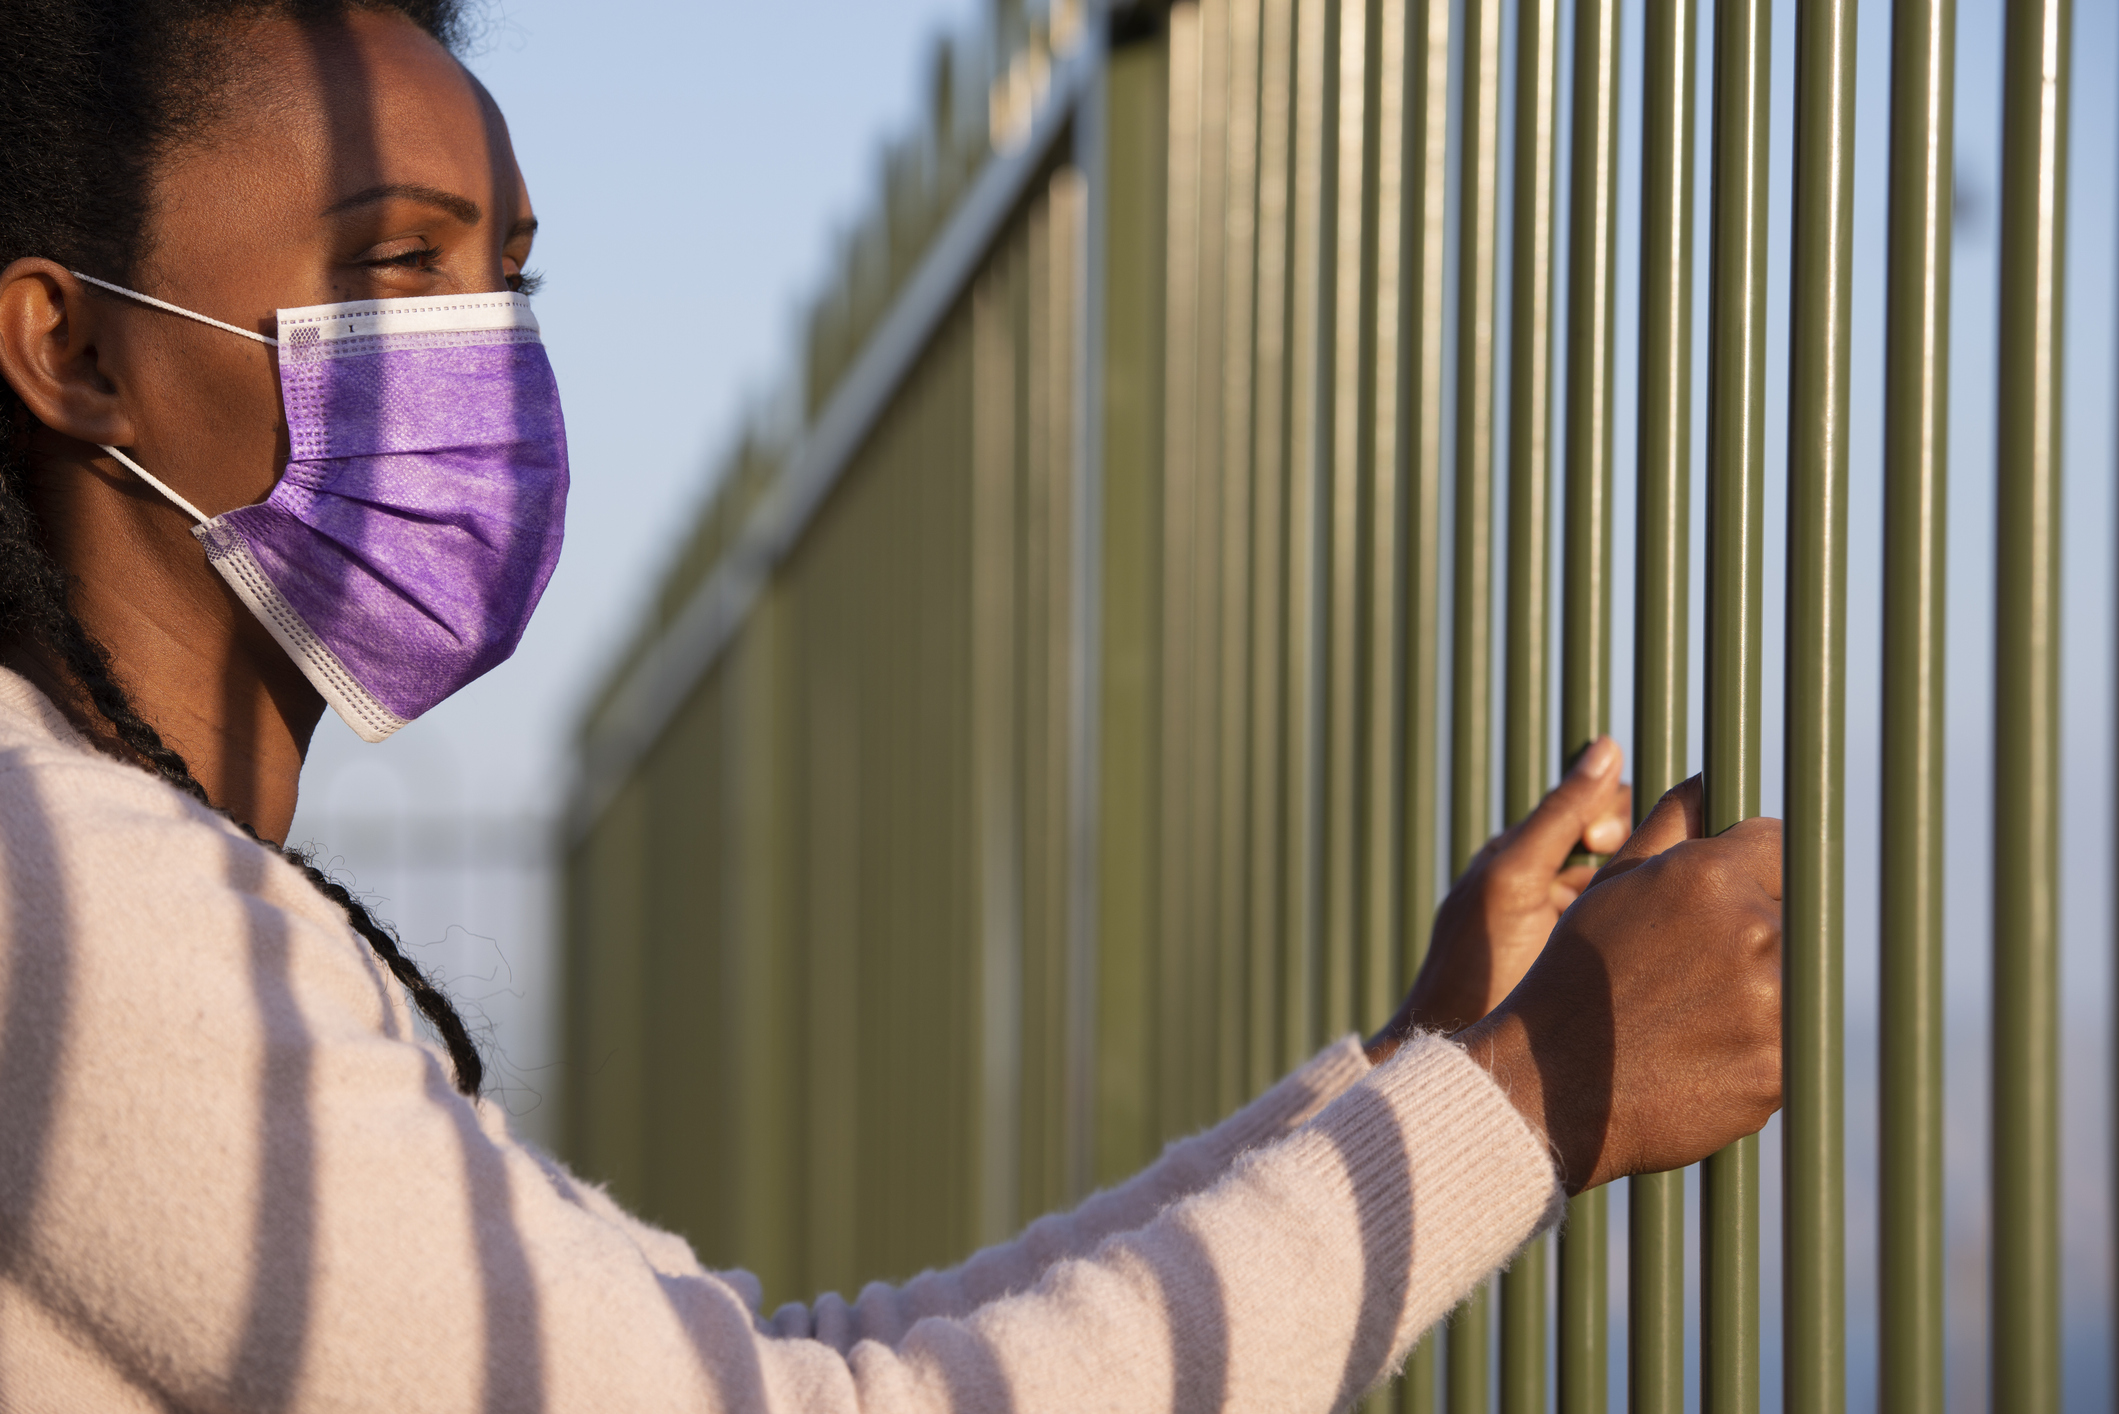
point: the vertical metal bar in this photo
(1585, 640)
(1527, 735)
(1217, 1001)
(1425, 237)
(1736, 505)
(1393, 355)
(1814, 1232)
(1239, 271)
(1268, 556)
(1585, 643)
(1655, 1323)
(1526, 740)
(1184, 711)
(1415, 460)
(1350, 775)
(1916, 481)
(1136, 208)
(2026, 1291)
(996, 810)
(1471, 640)
(1082, 224)
(1309, 428)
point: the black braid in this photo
(91, 93)
(431, 1001)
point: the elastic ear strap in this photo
(152, 480)
(175, 309)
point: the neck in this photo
(196, 665)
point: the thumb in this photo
(1553, 830)
(1679, 816)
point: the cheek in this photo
(216, 424)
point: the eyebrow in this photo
(461, 207)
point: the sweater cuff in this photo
(1430, 1124)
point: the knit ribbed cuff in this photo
(1429, 1138)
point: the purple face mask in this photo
(420, 515)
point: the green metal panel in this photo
(1916, 468)
(1736, 505)
(1814, 1237)
(2026, 1136)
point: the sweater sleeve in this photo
(885, 1312)
(231, 1179)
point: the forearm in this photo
(1293, 1284)
(1186, 1167)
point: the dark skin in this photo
(1632, 1018)
(1641, 1033)
(354, 160)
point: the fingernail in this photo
(1597, 760)
(1606, 836)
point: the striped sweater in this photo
(232, 1177)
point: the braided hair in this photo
(92, 94)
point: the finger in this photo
(1679, 816)
(1568, 884)
(1610, 831)
(1550, 833)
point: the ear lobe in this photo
(50, 353)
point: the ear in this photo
(52, 328)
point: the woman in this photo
(280, 435)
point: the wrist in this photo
(1500, 1045)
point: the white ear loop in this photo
(152, 480)
(175, 309)
(137, 470)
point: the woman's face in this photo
(356, 160)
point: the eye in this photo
(529, 282)
(418, 258)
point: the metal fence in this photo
(1068, 724)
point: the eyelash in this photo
(529, 282)
(412, 259)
